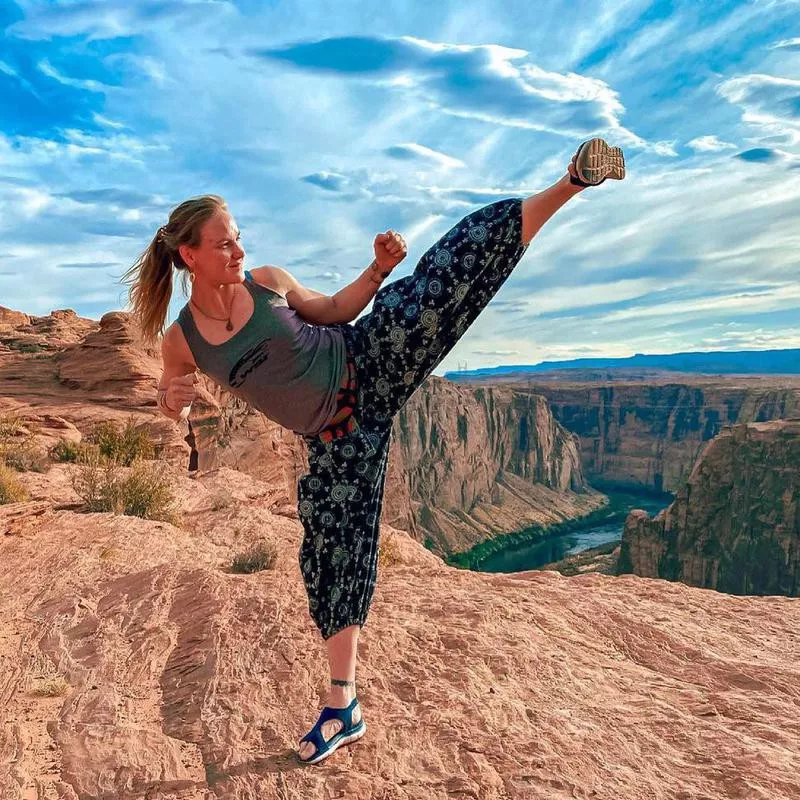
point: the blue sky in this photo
(323, 124)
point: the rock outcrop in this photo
(639, 435)
(735, 524)
(486, 461)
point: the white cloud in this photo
(109, 19)
(475, 82)
(767, 101)
(791, 44)
(709, 144)
(46, 68)
(140, 65)
(109, 123)
(413, 150)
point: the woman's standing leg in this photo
(339, 503)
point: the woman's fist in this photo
(181, 391)
(390, 250)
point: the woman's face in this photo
(220, 256)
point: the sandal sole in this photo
(351, 737)
(596, 161)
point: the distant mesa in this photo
(724, 362)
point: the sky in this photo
(323, 124)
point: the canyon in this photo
(644, 429)
(734, 525)
(465, 465)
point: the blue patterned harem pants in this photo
(413, 325)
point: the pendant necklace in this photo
(229, 326)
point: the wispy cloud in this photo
(767, 101)
(108, 19)
(789, 44)
(709, 144)
(491, 83)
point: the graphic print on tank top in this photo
(256, 355)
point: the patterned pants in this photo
(413, 325)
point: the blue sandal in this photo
(594, 161)
(348, 733)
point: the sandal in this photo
(594, 161)
(348, 733)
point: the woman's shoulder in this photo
(269, 277)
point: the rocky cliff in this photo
(735, 524)
(648, 435)
(466, 464)
(485, 461)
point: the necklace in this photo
(228, 327)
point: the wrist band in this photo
(162, 400)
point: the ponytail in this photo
(150, 276)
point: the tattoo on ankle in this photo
(337, 682)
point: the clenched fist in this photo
(181, 391)
(390, 250)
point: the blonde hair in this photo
(151, 274)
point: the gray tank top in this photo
(287, 368)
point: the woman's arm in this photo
(175, 368)
(322, 309)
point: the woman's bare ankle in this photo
(341, 693)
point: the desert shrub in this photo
(65, 450)
(76, 452)
(388, 551)
(11, 490)
(220, 500)
(18, 446)
(109, 551)
(27, 347)
(259, 556)
(124, 446)
(52, 687)
(25, 458)
(142, 490)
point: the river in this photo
(538, 554)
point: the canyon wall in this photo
(648, 436)
(484, 461)
(734, 525)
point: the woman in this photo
(294, 355)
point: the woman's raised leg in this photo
(415, 321)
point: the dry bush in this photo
(388, 551)
(18, 446)
(52, 687)
(220, 499)
(65, 450)
(259, 556)
(142, 490)
(124, 446)
(109, 551)
(11, 490)
(41, 676)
